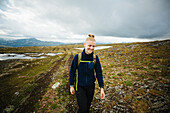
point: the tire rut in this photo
(27, 105)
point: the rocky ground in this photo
(136, 77)
(136, 80)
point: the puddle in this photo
(97, 47)
(7, 56)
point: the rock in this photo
(111, 111)
(144, 87)
(129, 74)
(158, 105)
(104, 111)
(16, 93)
(116, 87)
(55, 85)
(121, 86)
(139, 97)
(121, 101)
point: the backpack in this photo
(79, 60)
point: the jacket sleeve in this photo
(98, 70)
(73, 67)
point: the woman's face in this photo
(89, 46)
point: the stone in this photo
(55, 85)
(121, 101)
(139, 97)
(16, 93)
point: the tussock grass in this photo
(125, 66)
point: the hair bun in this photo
(90, 35)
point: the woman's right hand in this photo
(72, 91)
(102, 93)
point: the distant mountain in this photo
(2, 46)
(27, 42)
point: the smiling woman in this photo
(90, 44)
(83, 77)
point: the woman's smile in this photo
(89, 47)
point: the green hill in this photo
(27, 42)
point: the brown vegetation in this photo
(136, 79)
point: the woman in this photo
(82, 75)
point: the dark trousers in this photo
(84, 98)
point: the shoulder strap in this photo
(78, 62)
(94, 58)
(79, 58)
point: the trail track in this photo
(42, 82)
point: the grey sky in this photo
(73, 20)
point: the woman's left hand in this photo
(102, 93)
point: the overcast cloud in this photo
(73, 20)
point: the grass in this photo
(140, 106)
(54, 106)
(140, 92)
(128, 83)
(121, 65)
(156, 93)
(22, 81)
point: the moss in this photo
(140, 106)
(128, 83)
(128, 98)
(120, 74)
(124, 67)
(144, 69)
(45, 98)
(47, 89)
(36, 107)
(107, 105)
(134, 73)
(156, 93)
(54, 106)
(142, 76)
(113, 103)
(44, 109)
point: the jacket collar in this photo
(87, 54)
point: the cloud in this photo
(71, 21)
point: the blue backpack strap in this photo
(94, 58)
(78, 62)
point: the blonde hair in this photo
(90, 38)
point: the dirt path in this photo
(55, 100)
(27, 105)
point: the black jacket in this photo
(86, 71)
